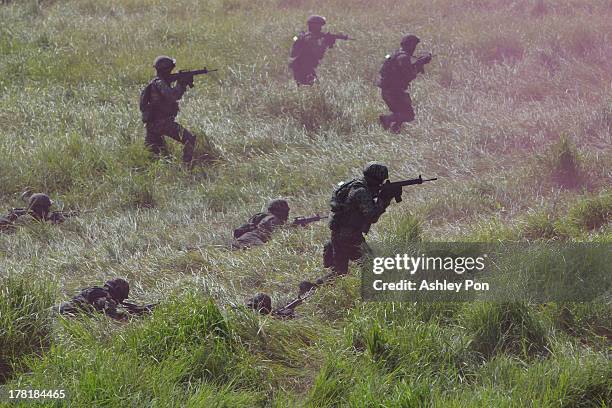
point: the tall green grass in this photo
(508, 79)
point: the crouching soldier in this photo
(355, 206)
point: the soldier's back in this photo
(88, 300)
(397, 71)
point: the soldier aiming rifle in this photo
(309, 48)
(109, 299)
(355, 206)
(39, 208)
(259, 228)
(159, 107)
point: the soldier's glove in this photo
(186, 82)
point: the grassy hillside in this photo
(513, 115)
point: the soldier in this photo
(39, 206)
(398, 70)
(109, 299)
(260, 226)
(309, 48)
(159, 106)
(355, 207)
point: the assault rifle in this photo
(53, 216)
(287, 311)
(186, 77)
(421, 60)
(390, 190)
(59, 216)
(138, 310)
(304, 221)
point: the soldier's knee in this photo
(407, 115)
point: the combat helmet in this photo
(409, 41)
(118, 288)
(279, 207)
(39, 204)
(316, 20)
(164, 62)
(376, 171)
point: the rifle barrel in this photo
(197, 71)
(411, 182)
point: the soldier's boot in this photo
(189, 141)
(396, 127)
(385, 121)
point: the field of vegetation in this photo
(514, 115)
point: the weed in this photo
(504, 328)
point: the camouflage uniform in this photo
(105, 300)
(258, 230)
(307, 51)
(354, 209)
(163, 100)
(398, 71)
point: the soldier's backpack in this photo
(146, 107)
(251, 225)
(390, 67)
(392, 74)
(338, 201)
(343, 214)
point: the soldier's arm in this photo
(110, 309)
(329, 40)
(368, 208)
(168, 92)
(269, 223)
(422, 61)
